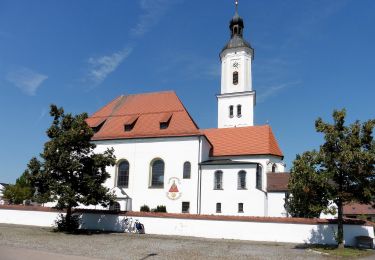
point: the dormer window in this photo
(164, 122)
(235, 78)
(164, 125)
(129, 125)
(96, 127)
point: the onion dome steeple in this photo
(236, 26)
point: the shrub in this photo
(160, 208)
(62, 225)
(145, 208)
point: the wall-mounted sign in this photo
(174, 191)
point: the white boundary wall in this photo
(26, 217)
(227, 229)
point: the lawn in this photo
(349, 252)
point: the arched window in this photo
(239, 110)
(218, 180)
(259, 177)
(115, 206)
(123, 174)
(274, 167)
(157, 174)
(241, 182)
(187, 170)
(230, 111)
(235, 78)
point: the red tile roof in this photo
(277, 182)
(358, 209)
(149, 110)
(250, 140)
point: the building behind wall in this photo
(2, 188)
(164, 158)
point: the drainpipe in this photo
(200, 189)
(199, 177)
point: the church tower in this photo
(236, 100)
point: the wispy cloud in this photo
(26, 79)
(187, 66)
(101, 67)
(274, 90)
(42, 114)
(153, 11)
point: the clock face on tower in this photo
(235, 65)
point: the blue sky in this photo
(310, 58)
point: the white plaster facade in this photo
(174, 151)
(236, 60)
(237, 99)
(247, 102)
(198, 190)
(231, 195)
(275, 202)
(2, 187)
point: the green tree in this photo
(308, 189)
(69, 172)
(20, 191)
(345, 162)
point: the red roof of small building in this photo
(277, 181)
(146, 112)
(250, 140)
(358, 209)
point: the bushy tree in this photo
(345, 162)
(20, 191)
(308, 187)
(69, 172)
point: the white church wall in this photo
(263, 160)
(205, 149)
(139, 153)
(276, 201)
(229, 197)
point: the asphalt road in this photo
(12, 253)
(25, 242)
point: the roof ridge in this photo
(240, 127)
(139, 114)
(272, 139)
(269, 137)
(150, 93)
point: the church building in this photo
(164, 158)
